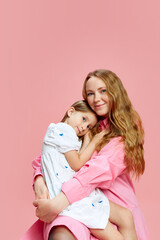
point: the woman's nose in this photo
(96, 97)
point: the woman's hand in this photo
(40, 188)
(48, 209)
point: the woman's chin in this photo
(101, 113)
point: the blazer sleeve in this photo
(100, 171)
(36, 164)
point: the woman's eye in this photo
(84, 119)
(89, 94)
(88, 127)
(103, 91)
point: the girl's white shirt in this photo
(93, 211)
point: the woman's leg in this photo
(123, 218)
(60, 233)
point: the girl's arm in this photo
(100, 171)
(77, 160)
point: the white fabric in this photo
(93, 211)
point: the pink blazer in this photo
(105, 170)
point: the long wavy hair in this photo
(124, 121)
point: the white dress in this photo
(93, 211)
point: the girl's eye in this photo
(84, 119)
(88, 127)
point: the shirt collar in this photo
(103, 123)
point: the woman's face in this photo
(97, 96)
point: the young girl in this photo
(119, 153)
(62, 156)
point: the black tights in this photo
(60, 233)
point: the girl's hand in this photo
(87, 138)
(48, 209)
(40, 188)
(99, 136)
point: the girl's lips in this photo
(78, 130)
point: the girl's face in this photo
(81, 122)
(97, 96)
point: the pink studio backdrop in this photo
(47, 48)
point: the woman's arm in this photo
(48, 209)
(100, 171)
(39, 186)
(36, 164)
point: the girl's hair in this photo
(79, 106)
(123, 121)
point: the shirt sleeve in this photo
(36, 164)
(100, 171)
(62, 136)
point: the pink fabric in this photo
(101, 171)
(35, 232)
(80, 231)
(105, 170)
(36, 164)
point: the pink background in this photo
(47, 48)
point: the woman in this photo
(119, 154)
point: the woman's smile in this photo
(97, 96)
(99, 105)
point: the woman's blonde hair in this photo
(123, 121)
(79, 106)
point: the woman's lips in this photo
(99, 105)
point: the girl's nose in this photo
(84, 126)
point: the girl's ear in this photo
(70, 111)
